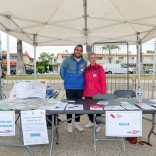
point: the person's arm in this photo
(63, 68)
(103, 81)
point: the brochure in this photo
(103, 102)
(145, 106)
(96, 107)
(113, 108)
(153, 100)
(128, 106)
(74, 107)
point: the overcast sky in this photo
(54, 49)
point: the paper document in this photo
(31, 88)
(128, 106)
(71, 101)
(52, 107)
(153, 100)
(153, 104)
(103, 102)
(58, 107)
(145, 106)
(113, 108)
(96, 107)
(74, 107)
(53, 101)
(7, 104)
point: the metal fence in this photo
(114, 82)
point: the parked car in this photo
(111, 68)
(29, 70)
(148, 69)
(151, 70)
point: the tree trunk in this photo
(110, 57)
(20, 68)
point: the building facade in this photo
(130, 59)
(13, 59)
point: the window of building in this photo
(152, 58)
(120, 58)
(99, 58)
(13, 57)
(55, 60)
(63, 57)
(131, 58)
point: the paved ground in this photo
(81, 144)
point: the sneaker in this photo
(98, 128)
(89, 124)
(70, 128)
(78, 127)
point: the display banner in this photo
(7, 123)
(124, 123)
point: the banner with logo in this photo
(34, 127)
(124, 123)
(7, 123)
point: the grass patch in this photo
(32, 77)
(57, 77)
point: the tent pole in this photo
(8, 54)
(35, 46)
(0, 47)
(0, 54)
(86, 28)
(1, 85)
(138, 53)
(88, 50)
(154, 69)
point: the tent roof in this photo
(67, 22)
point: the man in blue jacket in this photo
(71, 71)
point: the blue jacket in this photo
(72, 71)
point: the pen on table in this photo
(73, 106)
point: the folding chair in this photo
(101, 120)
(105, 96)
(125, 93)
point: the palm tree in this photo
(150, 52)
(109, 48)
(20, 68)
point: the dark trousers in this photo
(73, 94)
(91, 115)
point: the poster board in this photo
(124, 123)
(34, 127)
(7, 123)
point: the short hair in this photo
(79, 45)
(91, 54)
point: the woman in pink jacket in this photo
(95, 83)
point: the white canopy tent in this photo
(69, 22)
